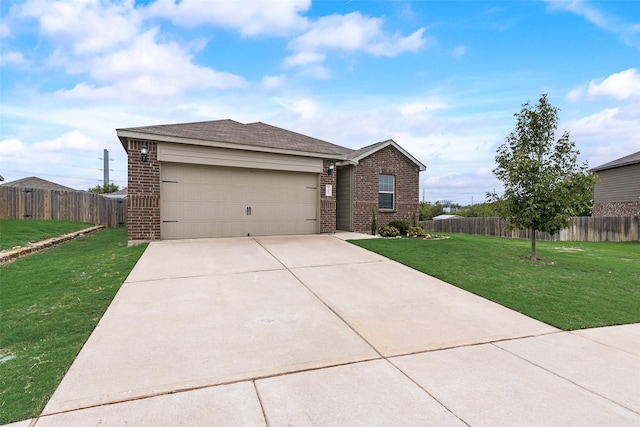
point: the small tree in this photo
(427, 211)
(104, 189)
(544, 185)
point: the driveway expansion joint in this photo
(539, 366)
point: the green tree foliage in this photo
(103, 189)
(487, 209)
(427, 210)
(544, 184)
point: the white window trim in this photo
(392, 192)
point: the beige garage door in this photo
(210, 201)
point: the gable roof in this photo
(356, 155)
(39, 183)
(231, 134)
(622, 161)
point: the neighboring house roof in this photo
(120, 194)
(39, 183)
(622, 161)
(356, 155)
(439, 217)
(231, 134)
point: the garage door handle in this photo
(248, 210)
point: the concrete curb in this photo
(11, 255)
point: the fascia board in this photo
(220, 144)
(421, 166)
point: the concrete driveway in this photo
(311, 330)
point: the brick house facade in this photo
(363, 169)
(229, 145)
(387, 161)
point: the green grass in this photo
(576, 285)
(19, 232)
(51, 302)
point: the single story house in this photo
(224, 178)
(33, 182)
(618, 192)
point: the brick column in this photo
(327, 203)
(143, 193)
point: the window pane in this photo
(385, 182)
(385, 200)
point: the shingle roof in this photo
(357, 155)
(39, 183)
(364, 150)
(622, 161)
(253, 134)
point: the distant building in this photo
(439, 217)
(37, 183)
(618, 192)
(120, 194)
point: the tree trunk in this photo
(533, 245)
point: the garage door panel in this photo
(209, 201)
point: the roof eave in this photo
(123, 134)
(387, 143)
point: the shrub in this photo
(388, 231)
(416, 231)
(374, 227)
(401, 226)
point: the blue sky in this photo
(442, 78)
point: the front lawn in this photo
(51, 302)
(576, 285)
(20, 232)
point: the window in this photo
(385, 191)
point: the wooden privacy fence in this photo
(81, 206)
(582, 229)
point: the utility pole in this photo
(105, 168)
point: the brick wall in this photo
(388, 161)
(327, 204)
(143, 193)
(616, 209)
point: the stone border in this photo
(11, 255)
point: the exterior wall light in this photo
(144, 150)
(332, 165)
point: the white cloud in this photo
(629, 32)
(5, 30)
(13, 58)
(11, 147)
(74, 140)
(52, 151)
(249, 17)
(87, 26)
(576, 94)
(272, 82)
(623, 85)
(104, 40)
(353, 32)
(145, 67)
(151, 66)
(594, 133)
(304, 58)
(304, 108)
